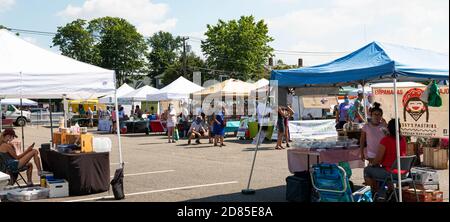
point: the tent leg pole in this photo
(1, 116)
(21, 115)
(51, 121)
(397, 140)
(118, 125)
(364, 101)
(249, 191)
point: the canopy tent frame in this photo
(383, 68)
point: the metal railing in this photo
(43, 118)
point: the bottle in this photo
(43, 181)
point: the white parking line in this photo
(156, 191)
(117, 163)
(144, 173)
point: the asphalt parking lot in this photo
(156, 171)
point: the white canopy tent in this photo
(179, 89)
(122, 90)
(28, 71)
(25, 102)
(138, 94)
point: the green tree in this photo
(165, 50)
(120, 46)
(175, 70)
(281, 65)
(75, 41)
(239, 47)
(109, 42)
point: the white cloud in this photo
(349, 24)
(6, 4)
(148, 17)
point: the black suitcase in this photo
(298, 187)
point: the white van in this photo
(12, 112)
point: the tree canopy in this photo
(108, 42)
(165, 50)
(238, 47)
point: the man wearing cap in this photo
(359, 109)
(13, 161)
(197, 130)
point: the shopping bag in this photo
(176, 135)
(117, 184)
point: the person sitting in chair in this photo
(380, 167)
(14, 161)
(197, 130)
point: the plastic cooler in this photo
(4, 179)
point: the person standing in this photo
(138, 112)
(289, 114)
(280, 126)
(358, 109)
(171, 123)
(90, 117)
(219, 127)
(342, 113)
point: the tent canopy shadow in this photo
(271, 194)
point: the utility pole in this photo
(184, 55)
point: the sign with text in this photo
(416, 117)
(310, 129)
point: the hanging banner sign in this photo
(310, 129)
(416, 117)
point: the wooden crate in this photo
(436, 158)
(72, 138)
(424, 195)
(56, 138)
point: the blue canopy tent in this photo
(375, 62)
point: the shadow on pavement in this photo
(271, 194)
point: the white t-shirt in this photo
(172, 118)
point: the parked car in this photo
(20, 117)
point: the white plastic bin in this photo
(102, 144)
(58, 188)
(4, 179)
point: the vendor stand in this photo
(87, 173)
(138, 126)
(375, 62)
(33, 72)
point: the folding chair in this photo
(15, 175)
(406, 163)
(332, 184)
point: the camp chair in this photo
(332, 184)
(406, 163)
(15, 175)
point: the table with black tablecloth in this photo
(87, 173)
(138, 126)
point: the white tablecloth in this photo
(104, 125)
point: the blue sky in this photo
(296, 25)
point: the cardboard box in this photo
(58, 188)
(424, 195)
(56, 138)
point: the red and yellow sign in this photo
(416, 117)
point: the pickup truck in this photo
(12, 112)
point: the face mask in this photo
(346, 100)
